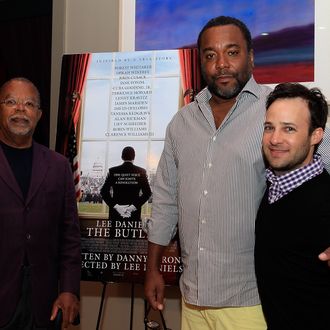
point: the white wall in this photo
(81, 26)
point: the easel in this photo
(102, 302)
(146, 309)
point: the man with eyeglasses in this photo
(39, 228)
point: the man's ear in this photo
(251, 56)
(317, 136)
(39, 114)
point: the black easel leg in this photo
(101, 305)
(146, 311)
(163, 320)
(132, 307)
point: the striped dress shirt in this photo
(209, 183)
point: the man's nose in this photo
(276, 137)
(20, 106)
(222, 62)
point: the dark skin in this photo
(154, 283)
(226, 66)
(69, 304)
(17, 124)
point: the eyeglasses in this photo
(27, 104)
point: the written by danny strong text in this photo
(113, 261)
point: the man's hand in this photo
(69, 304)
(325, 256)
(129, 210)
(121, 209)
(154, 287)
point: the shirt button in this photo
(210, 165)
(214, 138)
(201, 249)
(203, 221)
(205, 192)
(28, 236)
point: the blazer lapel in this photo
(7, 175)
(40, 165)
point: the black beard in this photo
(228, 94)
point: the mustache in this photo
(224, 73)
(19, 117)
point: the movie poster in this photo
(119, 254)
(116, 101)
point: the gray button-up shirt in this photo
(210, 182)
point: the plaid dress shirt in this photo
(282, 185)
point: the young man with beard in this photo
(209, 182)
(293, 220)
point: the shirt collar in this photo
(250, 87)
(282, 185)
